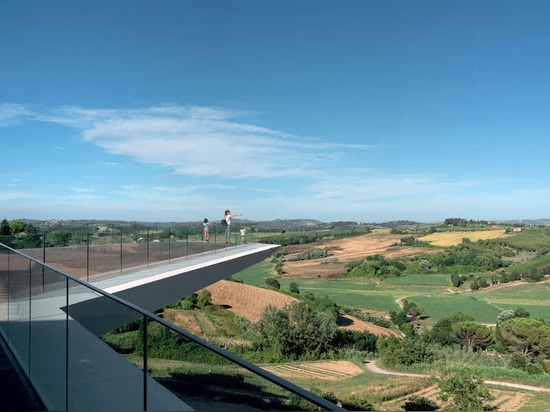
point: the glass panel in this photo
(104, 254)
(99, 378)
(204, 380)
(69, 259)
(18, 330)
(178, 248)
(48, 336)
(4, 284)
(158, 251)
(134, 250)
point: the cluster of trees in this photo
(311, 253)
(408, 318)
(525, 341)
(515, 332)
(313, 236)
(376, 265)
(19, 234)
(457, 221)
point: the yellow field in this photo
(454, 238)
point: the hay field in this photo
(454, 238)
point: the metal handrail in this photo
(282, 383)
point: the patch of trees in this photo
(457, 280)
(408, 318)
(470, 257)
(311, 253)
(413, 349)
(413, 242)
(464, 390)
(294, 332)
(473, 335)
(375, 266)
(19, 234)
(531, 337)
(479, 283)
(534, 269)
(272, 283)
(525, 341)
(307, 237)
(456, 221)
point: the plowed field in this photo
(250, 301)
(379, 242)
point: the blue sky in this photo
(332, 110)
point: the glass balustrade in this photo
(107, 252)
(146, 363)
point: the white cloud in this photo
(290, 176)
(11, 114)
(198, 141)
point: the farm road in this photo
(374, 368)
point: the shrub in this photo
(353, 403)
(294, 288)
(420, 403)
(312, 253)
(186, 304)
(273, 283)
(517, 361)
(534, 369)
(204, 298)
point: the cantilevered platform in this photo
(157, 287)
(101, 379)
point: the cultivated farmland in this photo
(454, 238)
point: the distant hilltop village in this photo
(53, 222)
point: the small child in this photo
(243, 235)
(206, 229)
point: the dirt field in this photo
(250, 301)
(333, 371)
(340, 251)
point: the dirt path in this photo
(374, 368)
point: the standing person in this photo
(243, 235)
(206, 230)
(227, 216)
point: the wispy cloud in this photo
(290, 175)
(190, 140)
(17, 195)
(11, 114)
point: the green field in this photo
(434, 292)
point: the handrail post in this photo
(87, 254)
(145, 366)
(30, 318)
(67, 344)
(147, 247)
(187, 244)
(43, 260)
(121, 250)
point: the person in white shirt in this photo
(227, 216)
